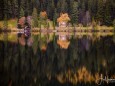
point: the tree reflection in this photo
(28, 63)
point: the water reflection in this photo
(53, 58)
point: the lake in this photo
(53, 59)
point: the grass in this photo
(12, 23)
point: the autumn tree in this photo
(43, 18)
(64, 17)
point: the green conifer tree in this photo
(50, 9)
(35, 18)
(22, 14)
(100, 11)
(107, 15)
(55, 17)
(74, 13)
(15, 8)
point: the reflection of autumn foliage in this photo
(81, 75)
(84, 75)
(63, 18)
(43, 14)
(63, 44)
(43, 47)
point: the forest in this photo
(80, 11)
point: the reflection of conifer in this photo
(5, 22)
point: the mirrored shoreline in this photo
(50, 58)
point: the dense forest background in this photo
(80, 11)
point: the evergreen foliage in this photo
(103, 11)
(74, 12)
(22, 14)
(35, 18)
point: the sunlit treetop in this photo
(43, 14)
(63, 17)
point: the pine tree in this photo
(92, 7)
(83, 6)
(55, 16)
(35, 18)
(74, 13)
(107, 15)
(22, 14)
(45, 4)
(62, 6)
(59, 6)
(15, 8)
(50, 9)
(10, 9)
(100, 11)
(37, 5)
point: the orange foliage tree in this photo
(43, 15)
(63, 17)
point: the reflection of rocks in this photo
(30, 41)
(22, 40)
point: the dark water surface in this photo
(54, 59)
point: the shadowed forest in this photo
(80, 11)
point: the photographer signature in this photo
(102, 79)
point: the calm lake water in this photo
(54, 59)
